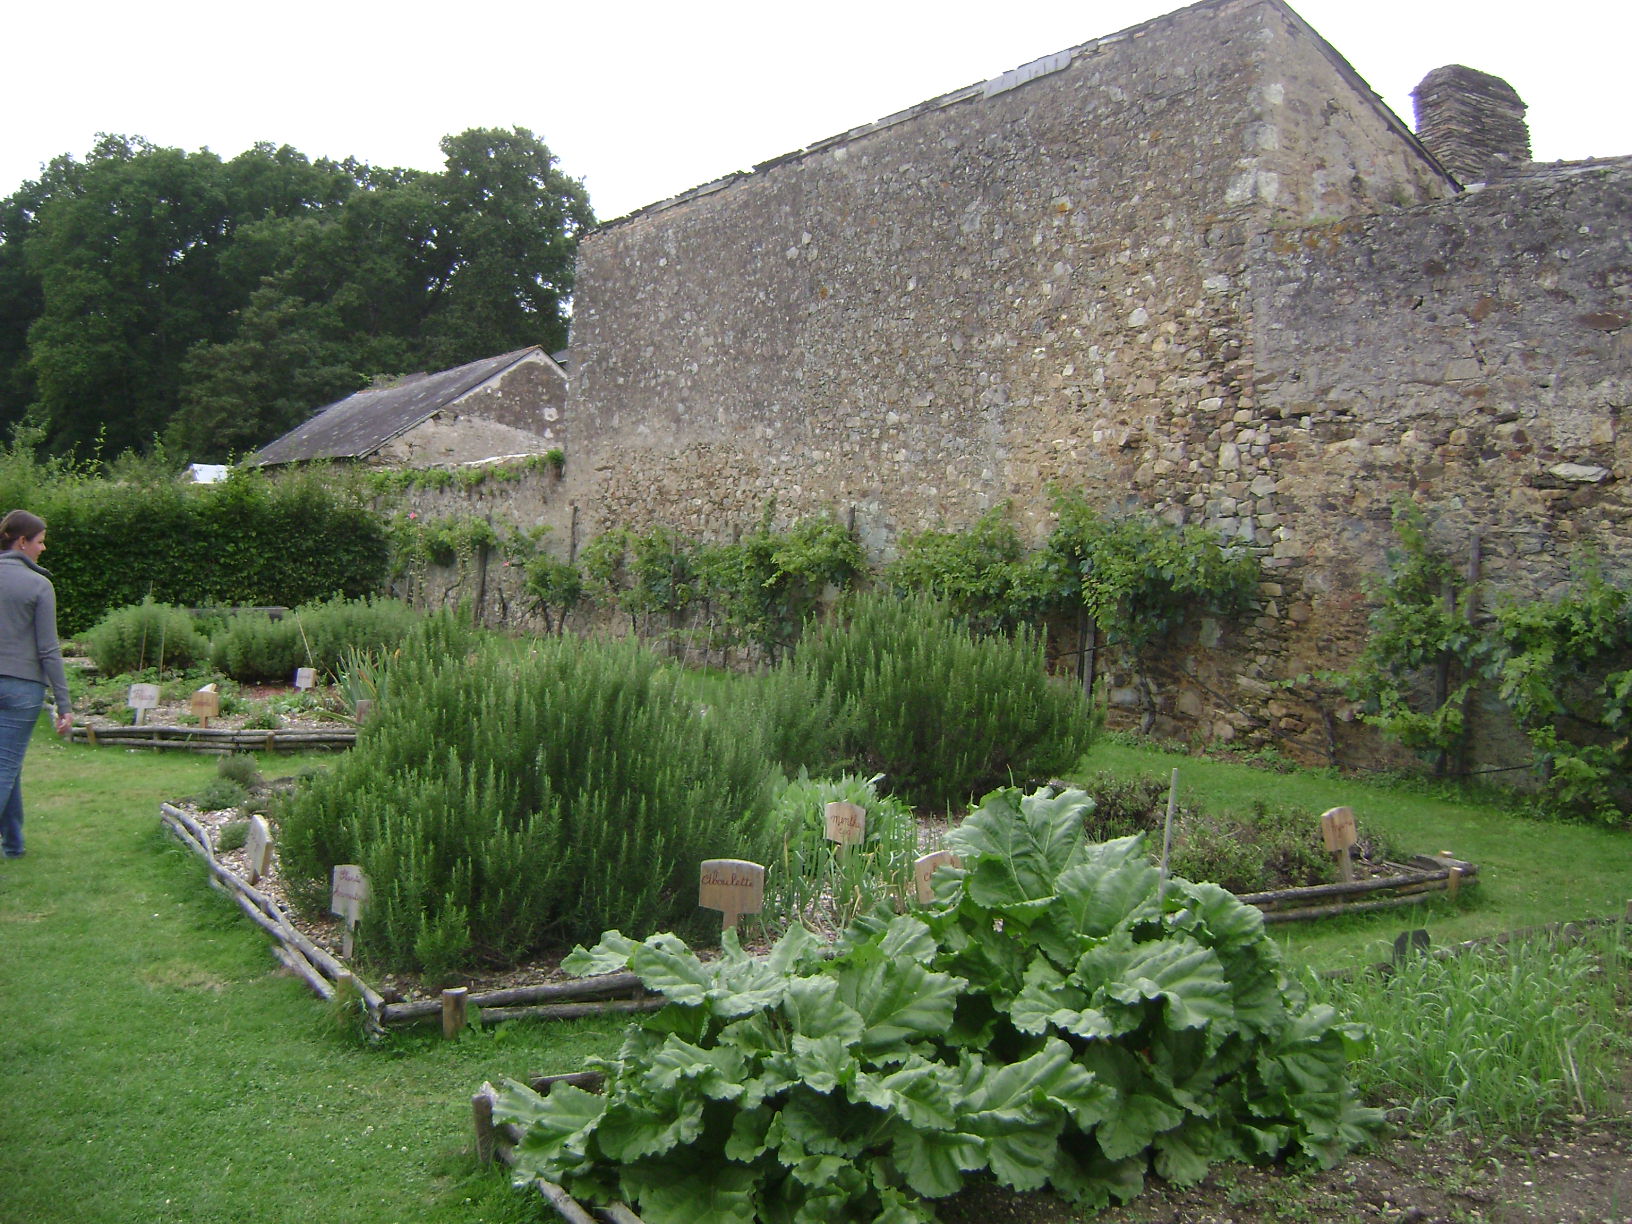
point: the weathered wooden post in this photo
(732, 886)
(1337, 828)
(350, 894)
(258, 849)
(453, 1010)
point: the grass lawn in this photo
(159, 1066)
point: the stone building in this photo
(1196, 268)
(500, 406)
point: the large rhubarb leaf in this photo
(687, 1189)
(1014, 848)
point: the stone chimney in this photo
(1472, 122)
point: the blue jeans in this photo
(20, 702)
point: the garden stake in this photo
(1337, 828)
(453, 1010)
(1167, 831)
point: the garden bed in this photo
(312, 949)
(1393, 885)
(220, 741)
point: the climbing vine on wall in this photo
(1562, 667)
(1130, 579)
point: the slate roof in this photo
(362, 423)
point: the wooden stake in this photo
(453, 1010)
(481, 1108)
(1167, 831)
(1337, 828)
(925, 867)
(732, 886)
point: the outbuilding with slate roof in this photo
(500, 406)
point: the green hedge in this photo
(250, 540)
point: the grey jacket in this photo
(29, 648)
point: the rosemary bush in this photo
(502, 805)
(942, 712)
(144, 635)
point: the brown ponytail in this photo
(19, 525)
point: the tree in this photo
(507, 238)
(150, 292)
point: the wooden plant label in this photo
(1337, 828)
(206, 704)
(732, 886)
(350, 893)
(258, 848)
(142, 698)
(926, 866)
(846, 823)
(305, 677)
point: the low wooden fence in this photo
(329, 977)
(218, 740)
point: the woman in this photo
(30, 658)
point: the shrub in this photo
(1268, 847)
(503, 805)
(144, 635)
(254, 647)
(240, 768)
(942, 712)
(219, 794)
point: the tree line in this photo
(153, 296)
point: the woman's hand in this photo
(65, 723)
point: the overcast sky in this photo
(643, 100)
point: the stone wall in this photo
(1475, 356)
(965, 303)
(1195, 268)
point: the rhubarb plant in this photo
(1059, 1016)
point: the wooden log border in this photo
(216, 740)
(1409, 884)
(328, 975)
